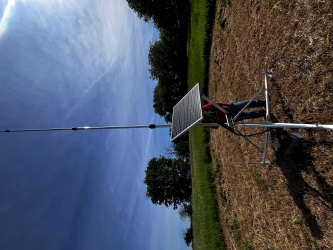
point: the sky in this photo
(66, 63)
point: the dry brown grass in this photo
(288, 205)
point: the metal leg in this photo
(268, 120)
(263, 162)
(247, 139)
(215, 104)
(265, 147)
(248, 104)
(268, 116)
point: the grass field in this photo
(288, 205)
(206, 227)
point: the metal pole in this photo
(248, 140)
(215, 104)
(285, 125)
(235, 118)
(268, 119)
(151, 126)
(265, 147)
(268, 116)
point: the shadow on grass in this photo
(292, 167)
(208, 157)
(211, 5)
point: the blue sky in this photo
(68, 63)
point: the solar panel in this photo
(186, 113)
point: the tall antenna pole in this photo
(151, 126)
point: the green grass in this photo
(196, 47)
(206, 228)
(199, 41)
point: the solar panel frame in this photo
(186, 113)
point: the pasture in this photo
(289, 204)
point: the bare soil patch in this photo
(288, 205)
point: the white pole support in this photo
(286, 125)
(268, 116)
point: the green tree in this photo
(143, 8)
(188, 236)
(167, 56)
(167, 182)
(168, 64)
(161, 104)
(167, 14)
(164, 58)
(178, 149)
(185, 211)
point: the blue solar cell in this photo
(186, 113)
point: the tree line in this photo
(167, 178)
(168, 55)
(169, 183)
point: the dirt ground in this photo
(289, 204)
